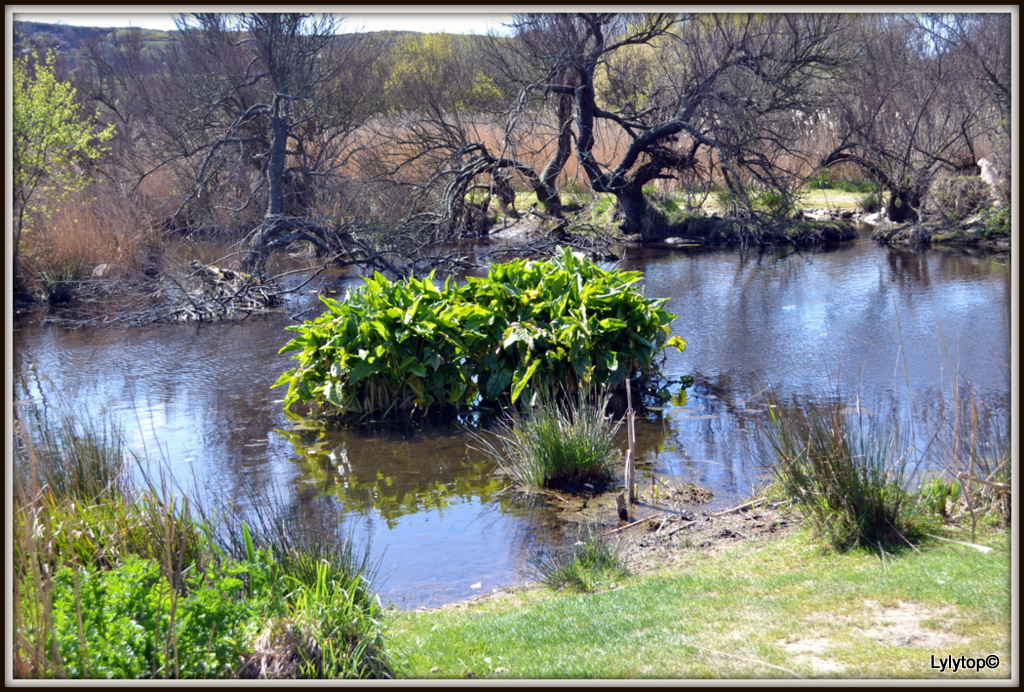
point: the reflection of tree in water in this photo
(909, 268)
(394, 474)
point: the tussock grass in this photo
(847, 471)
(562, 442)
(588, 564)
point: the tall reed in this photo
(846, 470)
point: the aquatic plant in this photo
(563, 443)
(411, 347)
(846, 471)
(586, 565)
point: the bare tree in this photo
(269, 103)
(981, 44)
(446, 141)
(725, 88)
(909, 105)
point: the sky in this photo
(369, 18)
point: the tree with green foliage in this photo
(54, 143)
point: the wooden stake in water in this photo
(631, 446)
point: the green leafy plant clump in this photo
(411, 347)
(122, 581)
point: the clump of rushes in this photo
(117, 582)
(845, 471)
(565, 443)
(59, 278)
(412, 347)
(587, 565)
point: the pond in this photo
(896, 326)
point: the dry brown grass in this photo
(96, 226)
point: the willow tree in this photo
(457, 127)
(725, 88)
(924, 94)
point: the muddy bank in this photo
(674, 526)
(700, 231)
(670, 528)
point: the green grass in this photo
(752, 612)
(114, 581)
(586, 565)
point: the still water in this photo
(895, 327)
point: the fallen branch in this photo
(746, 505)
(980, 548)
(631, 524)
(991, 484)
(683, 525)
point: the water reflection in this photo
(895, 327)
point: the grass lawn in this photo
(783, 609)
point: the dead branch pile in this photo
(210, 292)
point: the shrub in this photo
(114, 582)
(775, 202)
(936, 495)
(562, 444)
(819, 181)
(845, 472)
(410, 347)
(870, 203)
(997, 221)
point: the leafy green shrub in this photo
(128, 622)
(937, 494)
(870, 203)
(556, 444)
(115, 582)
(409, 347)
(997, 221)
(775, 202)
(846, 474)
(819, 181)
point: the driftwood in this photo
(739, 508)
(631, 524)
